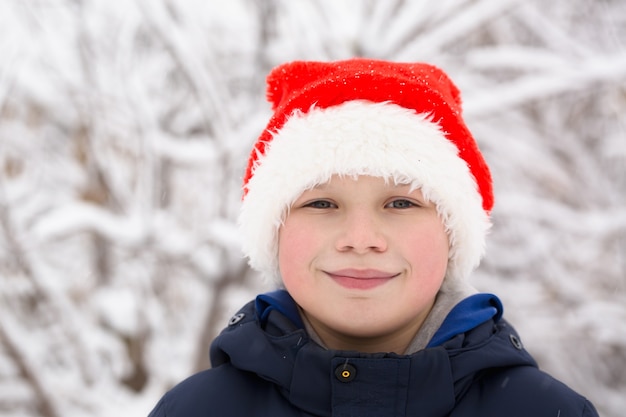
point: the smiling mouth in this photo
(361, 279)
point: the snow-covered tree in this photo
(124, 132)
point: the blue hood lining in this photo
(280, 301)
(466, 315)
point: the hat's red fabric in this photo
(299, 85)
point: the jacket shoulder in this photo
(223, 391)
(523, 391)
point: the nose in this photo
(361, 232)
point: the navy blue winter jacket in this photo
(264, 364)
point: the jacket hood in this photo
(266, 337)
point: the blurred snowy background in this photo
(124, 129)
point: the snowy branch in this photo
(46, 403)
(533, 87)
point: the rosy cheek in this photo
(293, 249)
(291, 242)
(430, 252)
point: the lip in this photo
(361, 279)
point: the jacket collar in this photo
(267, 340)
(466, 313)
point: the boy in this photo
(368, 200)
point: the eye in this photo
(320, 204)
(401, 204)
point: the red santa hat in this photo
(400, 121)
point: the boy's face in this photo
(364, 259)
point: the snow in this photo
(125, 129)
(80, 217)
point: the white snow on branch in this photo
(575, 76)
(82, 217)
